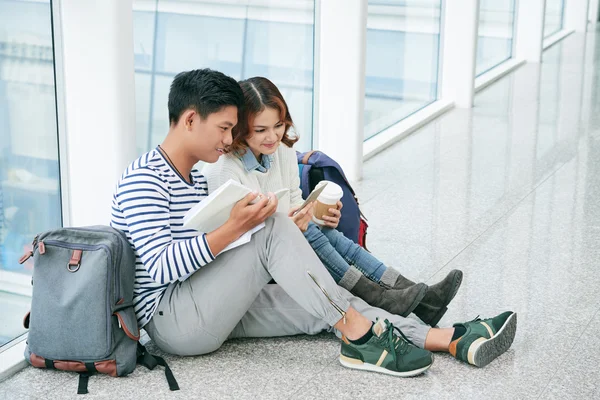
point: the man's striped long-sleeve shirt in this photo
(149, 204)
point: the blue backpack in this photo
(316, 166)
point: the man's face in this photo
(207, 138)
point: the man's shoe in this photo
(484, 340)
(388, 352)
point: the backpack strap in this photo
(82, 387)
(150, 361)
(307, 156)
(322, 162)
(84, 377)
(303, 172)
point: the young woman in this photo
(261, 157)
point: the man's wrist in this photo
(233, 230)
(222, 237)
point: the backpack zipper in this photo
(116, 266)
(29, 254)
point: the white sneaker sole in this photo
(357, 364)
(484, 351)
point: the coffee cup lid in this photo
(332, 191)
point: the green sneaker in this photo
(484, 340)
(386, 352)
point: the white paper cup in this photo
(326, 200)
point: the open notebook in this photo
(214, 210)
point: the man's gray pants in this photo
(230, 298)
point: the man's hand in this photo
(334, 221)
(303, 217)
(243, 217)
(246, 215)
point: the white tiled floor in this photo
(509, 192)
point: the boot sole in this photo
(416, 301)
(482, 353)
(357, 364)
(458, 276)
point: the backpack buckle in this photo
(75, 261)
(73, 268)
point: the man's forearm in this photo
(222, 237)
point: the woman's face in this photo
(266, 132)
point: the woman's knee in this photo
(333, 235)
(315, 237)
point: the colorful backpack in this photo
(316, 166)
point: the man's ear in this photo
(188, 119)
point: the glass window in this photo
(550, 96)
(29, 170)
(403, 43)
(273, 39)
(495, 33)
(553, 20)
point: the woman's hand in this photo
(303, 217)
(334, 221)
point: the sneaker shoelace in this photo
(476, 319)
(390, 340)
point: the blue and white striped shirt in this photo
(149, 204)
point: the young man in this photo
(227, 296)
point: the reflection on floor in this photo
(509, 193)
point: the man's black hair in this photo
(204, 91)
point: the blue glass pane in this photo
(553, 20)
(288, 62)
(402, 60)
(186, 42)
(239, 40)
(144, 46)
(495, 33)
(29, 170)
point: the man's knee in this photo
(192, 343)
(279, 222)
(196, 347)
(206, 347)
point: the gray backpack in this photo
(82, 316)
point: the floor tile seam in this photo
(309, 380)
(25, 392)
(48, 388)
(576, 342)
(493, 224)
(410, 172)
(394, 183)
